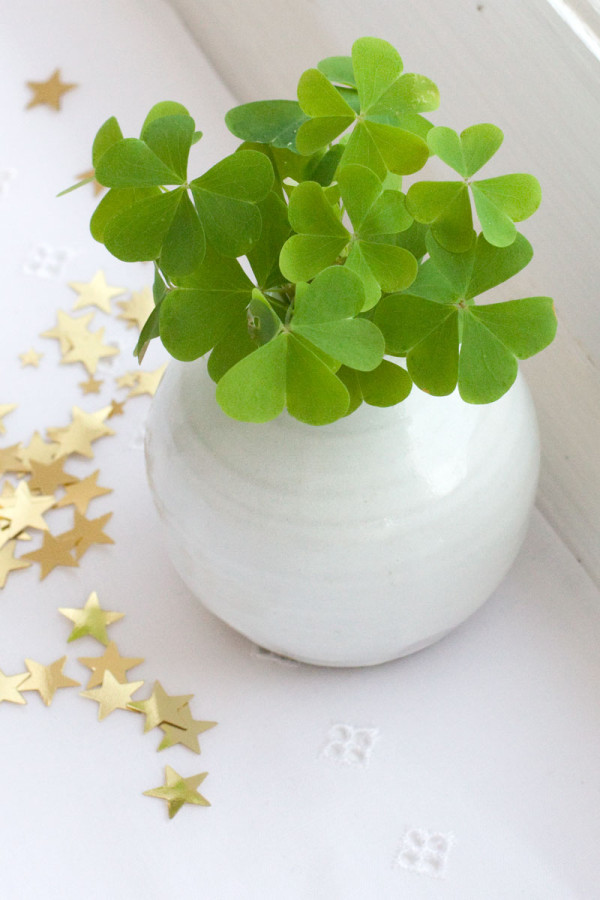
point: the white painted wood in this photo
(522, 67)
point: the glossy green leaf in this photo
(402, 151)
(349, 378)
(487, 369)
(170, 138)
(254, 389)
(362, 150)
(517, 195)
(317, 133)
(234, 345)
(160, 110)
(357, 263)
(184, 243)
(338, 69)
(387, 216)
(323, 170)
(318, 98)
(413, 239)
(150, 330)
(114, 202)
(131, 163)
(263, 323)
(409, 93)
(445, 206)
(386, 385)
(433, 363)
(314, 394)
(394, 268)
(455, 268)
(406, 319)
(360, 188)
(108, 134)
(354, 342)
(494, 265)
(336, 293)
(226, 198)
(273, 122)
(195, 316)
(431, 285)
(137, 233)
(468, 152)
(263, 256)
(497, 226)
(524, 326)
(376, 65)
(321, 236)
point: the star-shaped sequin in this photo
(89, 350)
(69, 330)
(178, 790)
(91, 620)
(30, 358)
(110, 661)
(5, 409)
(188, 735)
(23, 510)
(95, 292)
(9, 688)
(39, 450)
(9, 563)
(82, 492)
(47, 477)
(148, 382)
(54, 552)
(91, 386)
(46, 680)
(161, 707)
(10, 461)
(86, 532)
(83, 430)
(50, 92)
(136, 310)
(112, 694)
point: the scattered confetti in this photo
(46, 680)
(187, 735)
(147, 382)
(112, 694)
(91, 386)
(5, 409)
(162, 708)
(91, 620)
(8, 562)
(86, 532)
(49, 92)
(82, 492)
(30, 358)
(178, 790)
(69, 330)
(110, 661)
(39, 450)
(83, 430)
(116, 409)
(23, 510)
(9, 688)
(95, 292)
(54, 552)
(46, 477)
(136, 310)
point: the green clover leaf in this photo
(376, 215)
(384, 98)
(273, 122)
(197, 314)
(325, 314)
(283, 372)
(499, 202)
(385, 385)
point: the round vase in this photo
(348, 544)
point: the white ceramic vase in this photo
(348, 544)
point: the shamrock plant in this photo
(299, 265)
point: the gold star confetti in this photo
(69, 329)
(91, 386)
(9, 688)
(128, 380)
(91, 619)
(137, 309)
(84, 428)
(30, 358)
(10, 461)
(89, 175)
(39, 450)
(49, 93)
(110, 661)
(178, 790)
(8, 563)
(188, 736)
(82, 492)
(5, 409)
(47, 679)
(23, 510)
(147, 382)
(112, 694)
(161, 707)
(47, 477)
(86, 532)
(53, 552)
(95, 292)
(89, 350)
(116, 409)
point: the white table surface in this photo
(487, 742)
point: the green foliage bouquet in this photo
(342, 269)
